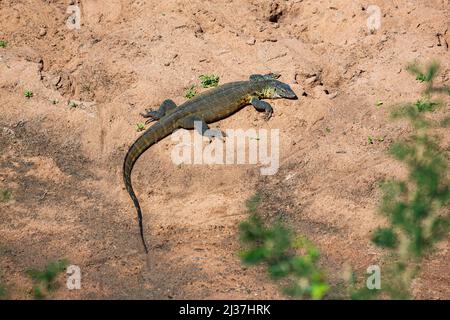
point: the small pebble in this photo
(251, 41)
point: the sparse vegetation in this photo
(44, 282)
(208, 81)
(276, 247)
(415, 205)
(140, 127)
(28, 94)
(3, 44)
(5, 195)
(190, 92)
(73, 104)
(371, 140)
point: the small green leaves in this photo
(371, 140)
(28, 94)
(385, 237)
(190, 92)
(3, 44)
(73, 104)
(379, 103)
(208, 81)
(140, 127)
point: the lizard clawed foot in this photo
(268, 115)
(150, 120)
(215, 134)
(151, 114)
(147, 113)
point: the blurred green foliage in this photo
(44, 282)
(5, 195)
(275, 246)
(414, 205)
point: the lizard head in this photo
(277, 89)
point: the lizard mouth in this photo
(290, 95)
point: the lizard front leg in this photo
(197, 123)
(262, 106)
(167, 107)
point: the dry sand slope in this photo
(63, 164)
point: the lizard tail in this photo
(127, 168)
(154, 134)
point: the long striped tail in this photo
(154, 134)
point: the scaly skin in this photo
(208, 107)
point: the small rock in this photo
(169, 62)
(42, 32)
(251, 41)
(311, 80)
(56, 80)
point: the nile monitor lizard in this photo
(208, 107)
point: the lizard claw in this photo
(268, 115)
(216, 134)
(150, 120)
(147, 113)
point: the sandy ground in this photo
(63, 165)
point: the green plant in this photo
(210, 80)
(5, 195)
(3, 44)
(140, 127)
(371, 139)
(414, 205)
(28, 94)
(44, 282)
(275, 246)
(73, 104)
(190, 92)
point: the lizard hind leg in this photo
(167, 107)
(197, 123)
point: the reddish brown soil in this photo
(63, 165)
